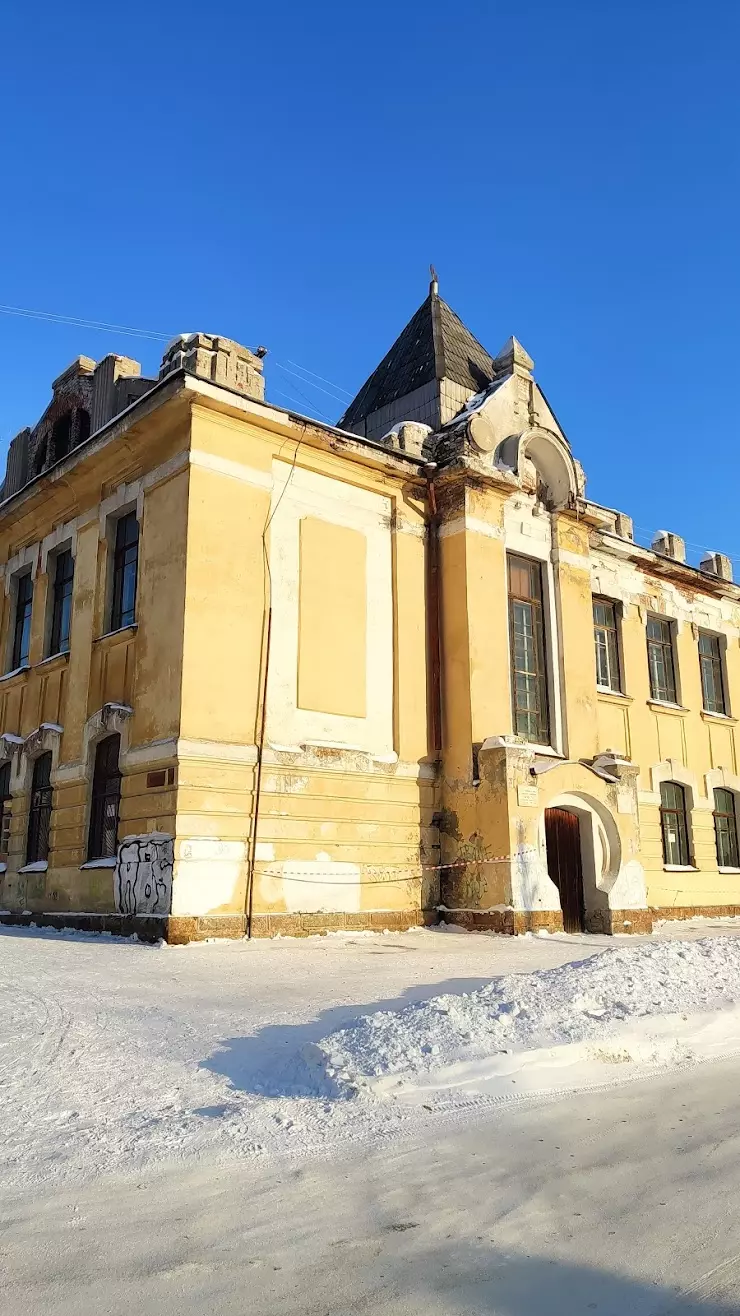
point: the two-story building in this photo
(262, 673)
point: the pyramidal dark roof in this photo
(434, 345)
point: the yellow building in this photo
(266, 674)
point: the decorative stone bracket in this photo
(22, 751)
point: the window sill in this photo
(121, 633)
(100, 863)
(728, 871)
(679, 868)
(662, 706)
(8, 676)
(40, 866)
(544, 749)
(55, 659)
(724, 719)
(616, 695)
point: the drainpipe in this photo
(252, 853)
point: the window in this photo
(673, 824)
(22, 623)
(61, 611)
(529, 673)
(710, 665)
(4, 807)
(660, 660)
(106, 796)
(725, 829)
(125, 563)
(39, 817)
(607, 646)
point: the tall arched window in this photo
(725, 829)
(102, 838)
(674, 825)
(39, 816)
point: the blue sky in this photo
(283, 174)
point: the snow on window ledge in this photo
(24, 667)
(680, 868)
(110, 862)
(39, 866)
(728, 870)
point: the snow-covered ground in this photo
(668, 1002)
(172, 1141)
(116, 1056)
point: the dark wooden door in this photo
(563, 841)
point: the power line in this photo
(321, 377)
(78, 322)
(690, 543)
(277, 392)
(288, 371)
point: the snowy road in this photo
(618, 1203)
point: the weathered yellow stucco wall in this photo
(51, 704)
(275, 696)
(347, 791)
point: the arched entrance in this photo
(564, 866)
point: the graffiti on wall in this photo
(144, 874)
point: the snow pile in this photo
(645, 1004)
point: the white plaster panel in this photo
(527, 527)
(629, 890)
(313, 886)
(298, 493)
(208, 874)
(531, 884)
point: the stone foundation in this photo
(695, 911)
(308, 925)
(509, 922)
(178, 930)
(149, 928)
(513, 922)
(631, 920)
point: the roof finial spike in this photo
(434, 285)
